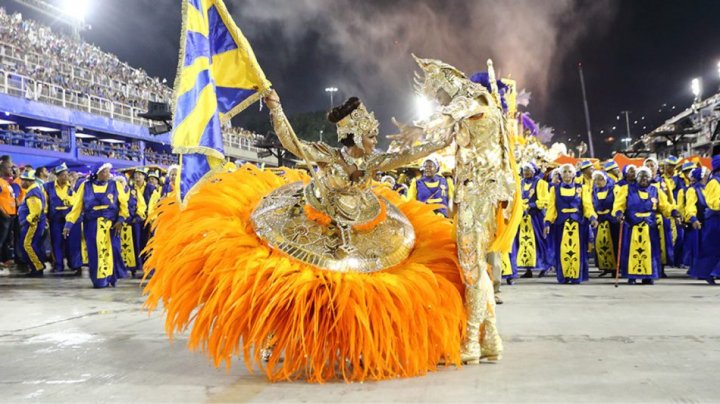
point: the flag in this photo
(217, 78)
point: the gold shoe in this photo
(470, 354)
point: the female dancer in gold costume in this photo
(340, 279)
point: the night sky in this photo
(636, 55)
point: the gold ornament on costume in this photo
(359, 123)
(336, 222)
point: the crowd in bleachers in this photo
(161, 158)
(240, 138)
(34, 50)
(129, 151)
(55, 141)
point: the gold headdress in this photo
(438, 75)
(359, 123)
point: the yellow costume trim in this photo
(128, 248)
(506, 266)
(605, 247)
(83, 246)
(570, 250)
(104, 248)
(526, 246)
(213, 274)
(29, 250)
(640, 260)
(661, 230)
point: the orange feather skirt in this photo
(236, 295)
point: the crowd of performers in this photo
(638, 219)
(68, 220)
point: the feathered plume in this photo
(523, 98)
(545, 134)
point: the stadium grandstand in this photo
(63, 99)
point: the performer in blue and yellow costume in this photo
(432, 187)
(104, 210)
(636, 206)
(613, 171)
(707, 255)
(607, 232)
(31, 216)
(144, 192)
(569, 208)
(60, 201)
(666, 229)
(694, 211)
(127, 256)
(530, 246)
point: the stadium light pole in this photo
(332, 91)
(587, 110)
(696, 88)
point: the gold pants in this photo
(475, 230)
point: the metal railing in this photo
(23, 86)
(83, 76)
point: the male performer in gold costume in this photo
(484, 184)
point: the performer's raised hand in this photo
(408, 135)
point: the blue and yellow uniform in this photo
(141, 231)
(530, 246)
(432, 190)
(31, 216)
(569, 208)
(707, 256)
(101, 205)
(60, 201)
(640, 245)
(607, 232)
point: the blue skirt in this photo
(706, 257)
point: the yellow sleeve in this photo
(680, 203)
(35, 208)
(690, 205)
(587, 202)
(141, 207)
(551, 213)
(123, 197)
(620, 203)
(154, 198)
(664, 206)
(542, 194)
(77, 208)
(712, 194)
(46, 198)
(412, 191)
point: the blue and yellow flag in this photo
(218, 77)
